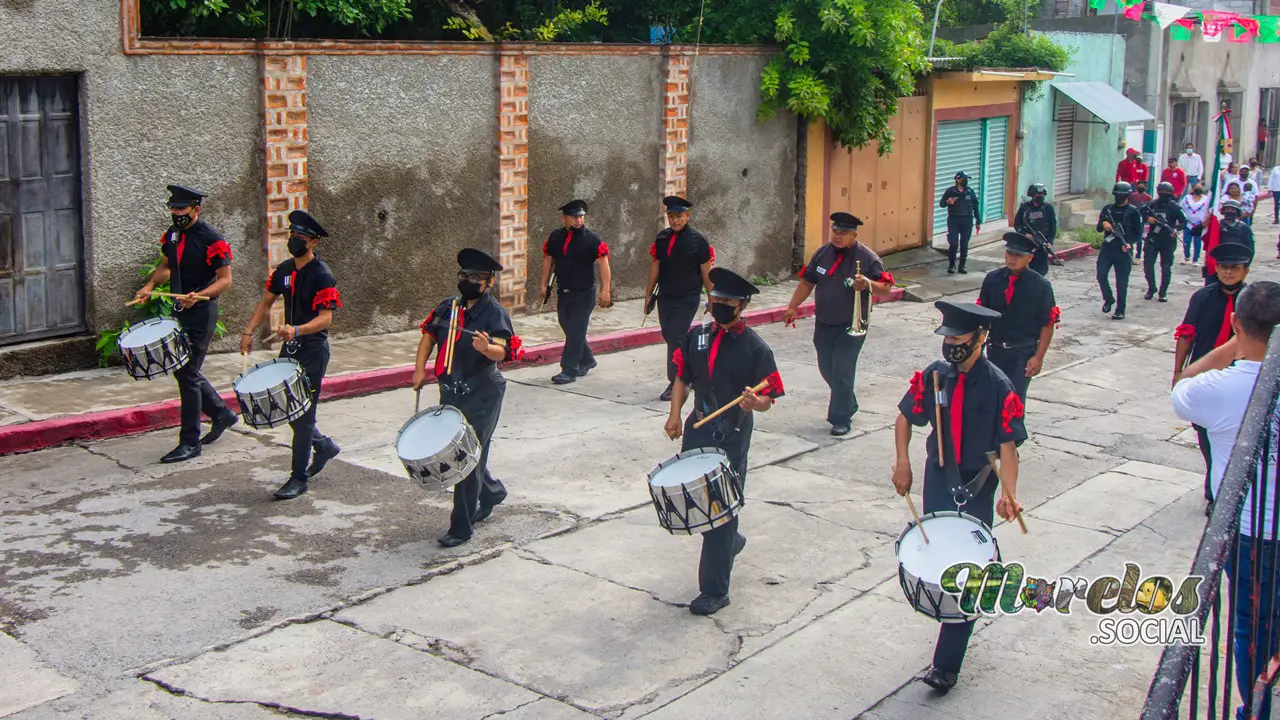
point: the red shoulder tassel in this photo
(800, 274)
(515, 349)
(326, 297)
(1185, 331)
(677, 357)
(775, 389)
(653, 250)
(1012, 410)
(712, 259)
(267, 287)
(546, 246)
(1055, 316)
(886, 277)
(430, 316)
(603, 251)
(917, 393)
(216, 248)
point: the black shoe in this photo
(1106, 307)
(220, 426)
(482, 513)
(588, 367)
(1118, 316)
(322, 457)
(291, 489)
(708, 605)
(739, 544)
(951, 269)
(451, 541)
(563, 378)
(962, 271)
(841, 429)
(1150, 294)
(666, 394)
(940, 680)
(181, 454)
(1164, 299)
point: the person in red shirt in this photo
(1131, 169)
(1175, 177)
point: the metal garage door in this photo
(40, 242)
(959, 148)
(1064, 137)
(994, 150)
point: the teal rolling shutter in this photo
(994, 146)
(959, 148)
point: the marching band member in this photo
(717, 362)
(1020, 337)
(573, 252)
(311, 296)
(682, 258)
(982, 413)
(196, 261)
(476, 386)
(832, 271)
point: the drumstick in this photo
(453, 326)
(937, 411)
(991, 460)
(244, 368)
(912, 504)
(417, 400)
(157, 293)
(763, 384)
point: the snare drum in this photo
(695, 491)
(954, 537)
(153, 347)
(438, 447)
(273, 393)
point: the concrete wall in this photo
(1202, 66)
(595, 134)
(402, 175)
(741, 171)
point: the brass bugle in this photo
(861, 307)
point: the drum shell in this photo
(452, 464)
(690, 508)
(156, 358)
(928, 598)
(277, 405)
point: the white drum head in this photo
(148, 332)
(688, 468)
(266, 377)
(952, 540)
(428, 434)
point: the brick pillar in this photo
(675, 124)
(513, 177)
(284, 94)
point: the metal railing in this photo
(1182, 665)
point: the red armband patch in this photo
(1185, 331)
(327, 296)
(1012, 410)
(216, 248)
(712, 259)
(800, 274)
(774, 388)
(917, 393)
(603, 251)
(546, 247)
(886, 277)
(677, 358)
(430, 316)
(653, 251)
(267, 287)
(515, 349)
(1055, 316)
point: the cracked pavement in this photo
(130, 589)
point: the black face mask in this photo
(182, 221)
(956, 354)
(470, 289)
(1230, 218)
(1233, 287)
(724, 314)
(1121, 200)
(297, 246)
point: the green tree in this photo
(272, 18)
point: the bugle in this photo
(861, 305)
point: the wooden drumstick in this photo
(417, 400)
(912, 504)
(761, 386)
(991, 460)
(453, 326)
(244, 368)
(937, 412)
(157, 293)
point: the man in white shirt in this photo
(1213, 393)
(1192, 164)
(1273, 184)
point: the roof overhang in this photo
(1104, 102)
(995, 75)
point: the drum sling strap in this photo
(961, 492)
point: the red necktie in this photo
(672, 245)
(957, 415)
(1224, 332)
(715, 348)
(1008, 292)
(568, 235)
(182, 243)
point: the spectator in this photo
(1214, 392)
(1176, 177)
(1255, 172)
(1234, 193)
(1250, 192)
(1196, 207)
(1273, 184)
(1192, 164)
(1230, 171)
(1131, 169)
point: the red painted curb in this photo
(118, 422)
(1075, 252)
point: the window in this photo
(1186, 123)
(1268, 124)
(1234, 102)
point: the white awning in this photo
(1105, 102)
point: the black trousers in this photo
(574, 312)
(1202, 437)
(1013, 363)
(953, 638)
(716, 564)
(675, 316)
(838, 362)
(1163, 249)
(959, 230)
(194, 390)
(481, 407)
(1122, 264)
(314, 359)
(1040, 262)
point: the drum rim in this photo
(263, 364)
(904, 573)
(466, 425)
(681, 456)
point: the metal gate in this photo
(40, 242)
(1065, 133)
(995, 144)
(959, 148)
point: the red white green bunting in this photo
(1212, 26)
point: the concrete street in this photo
(130, 589)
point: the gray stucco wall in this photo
(402, 172)
(1203, 66)
(594, 133)
(742, 173)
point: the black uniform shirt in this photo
(486, 315)
(306, 292)
(194, 255)
(1026, 305)
(719, 363)
(990, 412)
(575, 256)
(1208, 320)
(1042, 218)
(1129, 221)
(967, 204)
(1164, 210)
(829, 267)
(680, 257)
